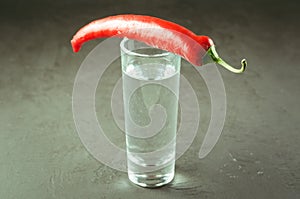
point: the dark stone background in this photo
(257, 156)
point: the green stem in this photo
(215, 57)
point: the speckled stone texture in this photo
(257, 156)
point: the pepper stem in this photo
(214, 55)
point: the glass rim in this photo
(129, 52)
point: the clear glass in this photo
(151, 92)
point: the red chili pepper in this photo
(155, 32)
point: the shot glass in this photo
(151, 80)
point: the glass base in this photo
(152, 179)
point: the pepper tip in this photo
(75, 46)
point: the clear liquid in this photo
(151, 103)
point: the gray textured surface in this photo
(257, 156)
